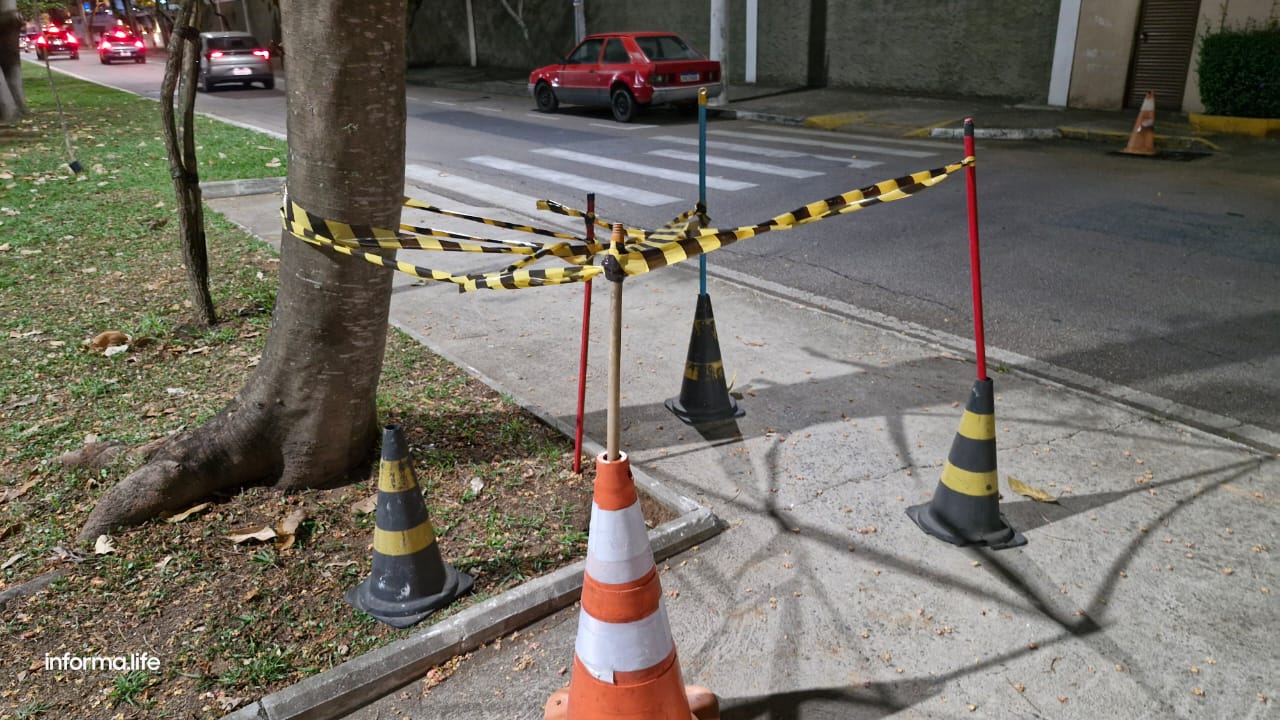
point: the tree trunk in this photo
(307, 416)
(184, 167)
(13, 102)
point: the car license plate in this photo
(126, 53)
(689, 77)
(241, 71)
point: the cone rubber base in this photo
(703, 704)
(413, 611)
(998, 539)
(693, 416)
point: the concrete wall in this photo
(1104, 46)
(1000, 48)
(541, 33)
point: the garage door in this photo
(1162, 52)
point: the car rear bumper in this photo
(684, 93)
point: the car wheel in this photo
(39, 55)
(623, 104)
(269, 83)
(545, 97)
(204, 84)
(75, 56)
(140, 60)
(103, 60)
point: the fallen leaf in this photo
(1035, 493)
(17, 492)
(365, 506)
(12, 559)
(179, 517)
(103, 546)
(262, 535)
(289, 528)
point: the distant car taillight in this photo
(106, 45)
(214, 54)
(138, 44)
(265, 55)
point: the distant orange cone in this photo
(1142, 141)
(624, 661)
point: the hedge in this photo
(1240, 71)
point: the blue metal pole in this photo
(702, 179)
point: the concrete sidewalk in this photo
(1147, 590)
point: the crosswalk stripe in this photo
(488, 196)
(717, 183)
(765, 168)
(620, 126)
(822, 143)
(766, 151)
(733, 147)
(810, 132)
(578, 182)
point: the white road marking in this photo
(823, 143)
(578, 182)
(764, 168)
(688, 178)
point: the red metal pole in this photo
(975, 263)
(582, 355)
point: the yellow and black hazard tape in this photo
(686, 236)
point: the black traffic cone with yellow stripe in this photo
(704, 396)
(410, 580)
(965, 509)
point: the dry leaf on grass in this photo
(17, 492)
(103, 546)
(1035, 493)
(261, 535)
(179, 517)
(104, 340)
(365, 506)
(12, 559)
(289, 528)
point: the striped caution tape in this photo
(684, 237)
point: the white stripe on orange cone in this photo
(1142, 139)
(624, 661)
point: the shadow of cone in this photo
(409, 580)
(704, 397)
(1142, 140)
(624, 660)
(965, 509)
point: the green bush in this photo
(1240, 71)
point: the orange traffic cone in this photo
(1142, 141)
(624, 661)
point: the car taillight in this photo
(660, 78)
(106, 45)
(262, 54)
(214, 54)
(42, 40)
(73, 39)
(137, 44)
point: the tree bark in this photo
(13, 102)
(307, 416)
(184, 166)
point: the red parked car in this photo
(626, 71)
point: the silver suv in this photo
(233, 57)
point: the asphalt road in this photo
(1160, 277)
